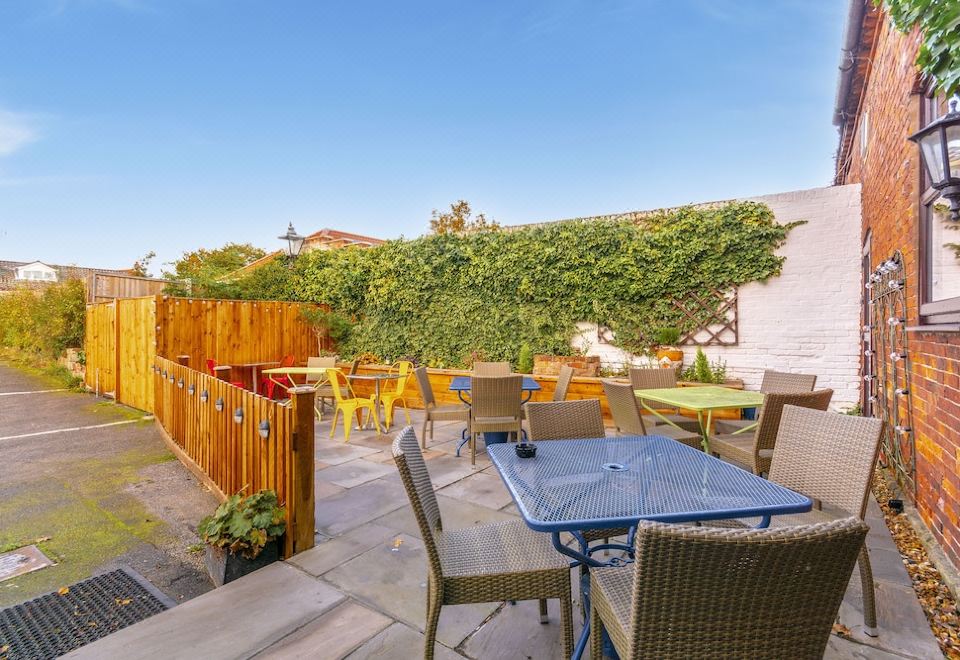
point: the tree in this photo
(206, 272)
(140, 266)
(458, 221)
(939, 24)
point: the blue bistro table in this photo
(603, 483)
(461, 385)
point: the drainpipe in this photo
(848, 58)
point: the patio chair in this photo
(492, 369)
(627, 418)
(654, 379)
(494, 407)
(392, 397)
(321, 383)
(349, 405)
(755, 450)
(455, 412)
(270, 384)
(773, 381)
(829, 457)
(212, 369)
(488, 563)
(563, 383)
(696, 592)
(565, 420)
(354, 367)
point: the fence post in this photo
(302, 500)
(184, 360)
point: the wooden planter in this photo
(224, 566)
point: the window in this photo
(939, 242)
(864, 132)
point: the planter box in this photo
(225, 567)
(583, 365)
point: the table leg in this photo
(659, 416)
(464, 435)
(253, 382)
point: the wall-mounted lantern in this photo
(264, 429)
(219, 405)
(238, 415)
(940, 148)
(204, 396)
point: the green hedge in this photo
(446, 299)
(43, 321)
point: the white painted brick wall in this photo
(807, 320)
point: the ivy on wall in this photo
(446, 299)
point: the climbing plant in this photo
(939, 24)
(446, 297)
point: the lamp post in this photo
(294, 243)
(940, 149)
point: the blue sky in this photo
(167, 125)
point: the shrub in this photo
(525, 360)
(244, 524)
(43, 322)
(667, 336)
(703, 371)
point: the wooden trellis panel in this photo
(711, 317)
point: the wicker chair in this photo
(755, 450)
(780, 382)
(653, 379)
(563, 383)
(456, 412)
(829, 457)
(492, 369)
(627, 418)
(488, 563)
(701, 592)
(494, 407)
(321, 383)
(565, 420)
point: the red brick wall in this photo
(889, 172)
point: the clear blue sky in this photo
(167, 125)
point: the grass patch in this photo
(52, 373)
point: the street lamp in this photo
(294, 242)
(940, 148)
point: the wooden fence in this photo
(124, 336)
(106, 287)
(234, 440)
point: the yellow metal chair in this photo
(350, 405)
(390, 399)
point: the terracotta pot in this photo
(675, 355)
(224, 566)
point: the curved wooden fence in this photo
(235, 440)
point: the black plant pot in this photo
(223, 566)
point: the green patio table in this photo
(702, 400)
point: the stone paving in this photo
(361, 592)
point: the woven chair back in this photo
(768, 426)
(419, 487)
(426, 389)
(491, 369)
(354, 366)
(496, 396)
(652, 379)
(827, 456)
(624, 407)
(319, 363)
(780, 381)
(565, 420)
(563, 383)
(749, 593)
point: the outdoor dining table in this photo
(462, 385)
(702, 400)
(377, 380)
(254, 368)
(606, 483)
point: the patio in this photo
(361, 592)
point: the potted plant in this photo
(668, 355)
(242, 535)
(703, 371)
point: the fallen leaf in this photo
(122, 601)
(63, 591)
(841, 630)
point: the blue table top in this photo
(569, 485)
(462, 384)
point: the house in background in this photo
(325, 239)
(38, 273)
(911, 368)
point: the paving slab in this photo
(335, 453)
(234, 621)
(392, 577)
(516, 632)
(333, 552)
(332, 635)
(902, 625)
(354, 473)
(480, 488)
(455, 514)
(356, 506)
(400, 641)
(322, 489)
(845, 649)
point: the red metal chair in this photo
(212, 368)
(269, 384)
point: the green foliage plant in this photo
(525, 360)
(207, 273)
(326, 323)
(703, 371)
(41, 322)
(244, 524)
(939, 24)
(667, 336)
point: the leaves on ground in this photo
(63, 591)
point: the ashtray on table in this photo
(525, 449)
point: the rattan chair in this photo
(489, 563)
(455, 412)
(653, 379)
(565, 420)
(755, 450)
(780, 382)
(627, 418)
(494, 407)
(492, 369)
(563, 383)
(701, 592)
(829, 457)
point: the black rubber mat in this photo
(59, 622)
